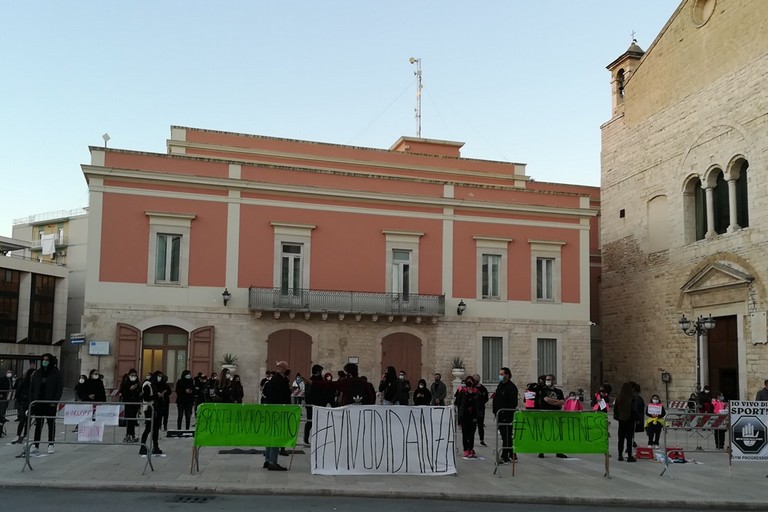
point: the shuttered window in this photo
(546, 356)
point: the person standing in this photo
(550, 398)
(388, 387)
(297, 389)
(504, 398)
(166, 390)
(762, 394)
(468, 403)
(654, 422)
(276, 391)
(626, 412)
(422, 396)
(130, 391)
(403, 389)
(438, 390)
(152, 397)
(5, 395)
(237, 390)
(92, 390)
(314, 395)
(719, 406)
(47, 384)
(482, 398)
(185, 399)
(22, 404)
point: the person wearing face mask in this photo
(422, 396)
(719, 406)
(224, 389)
(438, 390)
(276, 391)
(482, 396)
(550, 398)
(130, 393)
(238, 392)
(601, 401)
(152, 398)
(298, 390)
(654, 421)
(5, 395)
(185, 399)
(468, 404)
(403, 389)
(47, 384)
(166, 390)
(93, 388)
(388, 387)
(505, 401)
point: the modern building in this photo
(270, 248)
(683, 215)
(33, 307)
(61, 238)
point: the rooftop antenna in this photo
(414, 60)
(106, 138)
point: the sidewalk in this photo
(576, 480)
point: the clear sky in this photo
(520, 81)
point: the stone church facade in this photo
(684, 223)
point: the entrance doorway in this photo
(293, 346)
(164, 348)
(403, 351)
(723, 358)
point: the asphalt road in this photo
(45, 500)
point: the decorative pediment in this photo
(717, 275)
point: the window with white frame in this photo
(546, 256)
(493, 350)
(168, 255)
(546, 356)
(402, 260)
(544, 278)
(492, 257)
(291, 268)
(490, 275)
(401, 273)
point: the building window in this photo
(546, 264)
(700, 211)
(544, 278)
(546, 356)
(41, 310)
(61, 235)
(169, 238)
(291, 269)
(9, 305)
(720, 204)
(490, 276)
(742, 212)
(401, 273)
(493, 350)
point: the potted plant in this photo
(457, 367)
(229, 361)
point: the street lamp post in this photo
(696, 328)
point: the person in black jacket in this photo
(92, 390)
(314, 395)
(130, 392)
(422, 396)
(276, 391)
(389, 386)
(165, 411)
(152, 398)
(505, 398)
(404, 389)
(467, 404)
(628, 412)
(185, 398)
(236, 390)
(482, 399)
(47, 384)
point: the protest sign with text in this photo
(394, 440)
(77, 413)
(221, 424)
(560, 432)
(749, 430)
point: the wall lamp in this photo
(226, 296)
(461, 308)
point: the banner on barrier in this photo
(90, 432)
(749, 430)
(107, 414)
(394, 440)
(75, 414)
(247, 425)
(560, 432)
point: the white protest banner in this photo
(75, 414)
(90, 432)
(385, 440)
(654, 409)
(749, 430)
(108, 414)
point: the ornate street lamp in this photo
(697, 328)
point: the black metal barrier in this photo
(498, 451)
(40, 410)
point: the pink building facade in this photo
(332, 253)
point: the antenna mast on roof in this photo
(414, 60)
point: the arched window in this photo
(742, 211)
(620, 83)
(720, 203)
(700, 210)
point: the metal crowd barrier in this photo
(59, 419)
(7, 409)
(685, 427)
(498, 450)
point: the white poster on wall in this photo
(386, 440)
(749, 430)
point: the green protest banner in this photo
(560, 432)
(247, 425)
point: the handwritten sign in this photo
(654, 409)
(107, 414)
(247, 425)
(394, 440)
(90, 432)
(74, 414)
(560, 432)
